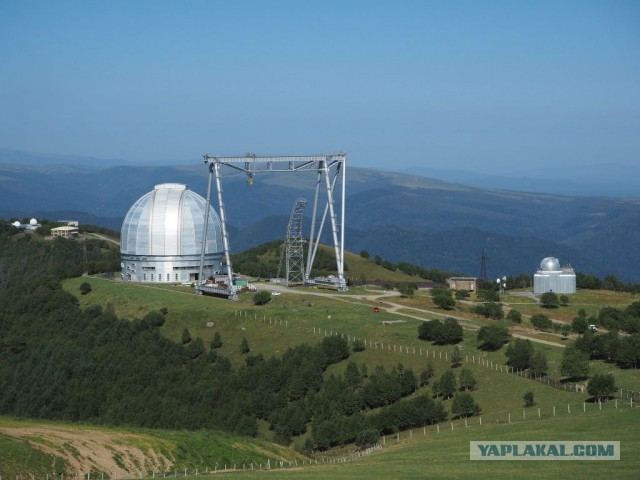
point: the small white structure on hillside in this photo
(550, 277)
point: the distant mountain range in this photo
(402, 217)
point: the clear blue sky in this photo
(479, 85)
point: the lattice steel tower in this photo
(294, 244)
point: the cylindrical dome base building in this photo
(161, 237)
(550, 277)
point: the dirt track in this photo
(84, 450)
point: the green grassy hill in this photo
(307, 316)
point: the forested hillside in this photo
(64, 362)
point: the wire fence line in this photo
(439, 354)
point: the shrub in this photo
(217, 341)
(515, 316)
(85, 287)
(462, 294)
(261, 298)
(489, 310)
(528, 399)
(244, 346)
(549, 300)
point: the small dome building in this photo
(161, 237)
(551, 277)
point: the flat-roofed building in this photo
(462, 283)
(64, 231)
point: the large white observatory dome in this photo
(161, 237)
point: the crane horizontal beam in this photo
(251, 163)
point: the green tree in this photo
(85, 287)
(407, 289)
(549, 300)
(244, 346)
(456, 357)
(492, 337)
(564, 300)
(364, 254)
(541, 322)
(528, 399)
(490, 310)
(602, 386)
(261, 298)
(519, 354)
(449, 333)
(446, 385)
(428, 330)
(186, 336)
(575, 363)
(580, 324)
(539, 364)
(444, 301)
(467, 380)
(514, 315)
(352, 377)
(334, 349)
(367, 438)
(488, 296)
(217, 341)
(426, 374)
(358, 345)
(464, 406)
(566, 330)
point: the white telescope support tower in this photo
(331, 166)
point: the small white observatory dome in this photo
(550, 264)
(16, 224)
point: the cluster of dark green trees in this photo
(441, 333)
(623, 350)
(609, 282)
(611, 347)
(521, 355)
(338, 408)
(612, 318)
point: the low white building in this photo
(551, 277)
